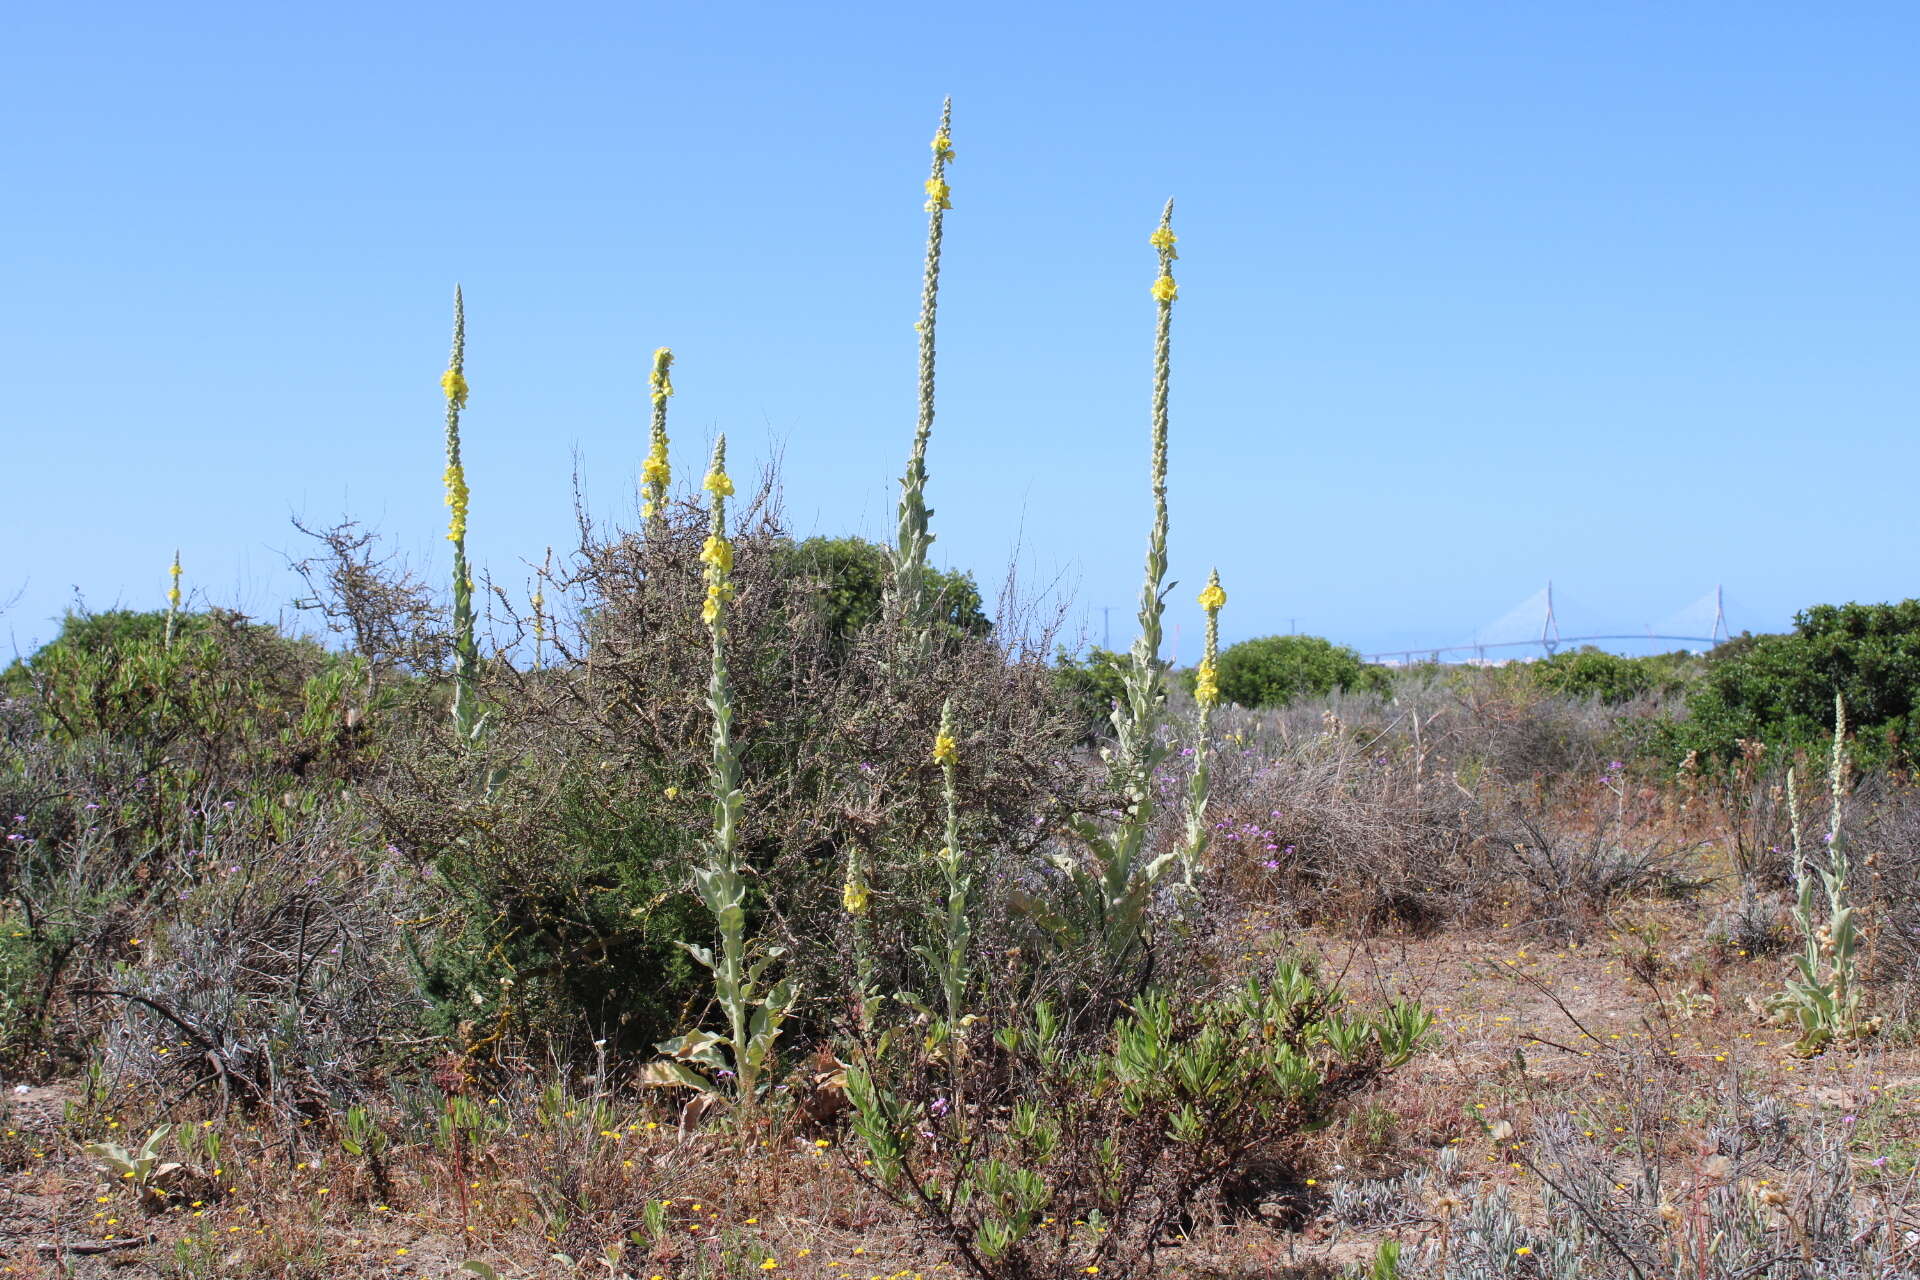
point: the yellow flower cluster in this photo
(662, 384)
(718, 554)
(943, 145)
(1164, 240)
(854, 896)
(173, 592)
(719, 484)
(1213, 599)
(655, 473)
(1165, 290)
(456, 479)
(719, 595)
(946, 750)
(454, 383)
(1206, 684)
(937, 193)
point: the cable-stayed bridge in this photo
(1533, 625)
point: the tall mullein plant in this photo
(907, 588)
(1118, 891)
(655, 473)
(754, 1011)
(1206, 696)
(466, 653)
(1824, 999)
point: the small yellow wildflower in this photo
(943, 145)
(1165, 290)
(937, 193)
(946, 750)
(1213, 598)
(454, 383)
(1163, 240)
(173, 592)
(718, 483)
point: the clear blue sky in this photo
(1472, 295)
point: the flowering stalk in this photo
(754, 1016)
(539, 601)
(1206, 696)
(1825, 999)
(1136, 717)
(907, 590)
(173, 598)
(949, 959)
(655, 474)
(856, 897)
(1118, 894)
(466, 655)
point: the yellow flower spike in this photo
(655, 473)
(906, 594)
(718, 483)
(717, 552)
(945, 750)
(466, 654)
(1165, 290)
(1164, 240)
(1213, 599)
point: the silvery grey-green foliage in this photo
(1113, 896)
(1824, 1000)
(754, 1008)
(1768, 1199)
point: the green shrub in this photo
(852, 576)
(1093, 684)
(1274, 670)
(1613, 678)
(570, 909)
(1078, 1153)
(1779, 689)
(228, 695)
